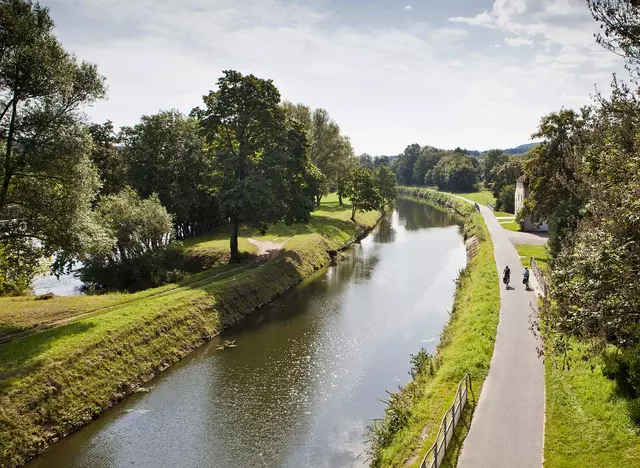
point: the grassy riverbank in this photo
(466, 345)
(55, 381)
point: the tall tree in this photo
(620, 24)
(385, 182)
(405, 163)
(505, 175)
(381, 161)
(366, 161)
(329, 150)
(260, 156)
(107, 158)
(429, 157)
(491, 159)
(165, 155)
(557, 193)
(362, 192)
(47, 181)
(456, 172)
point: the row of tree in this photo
(116, 199)
(457, 170)
(585, 181)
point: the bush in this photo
(506, 200)
(131, 253)
(421, 363)
(623, 366)
(633, 406)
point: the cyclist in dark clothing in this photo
(506, 276)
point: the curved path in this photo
(507, 430)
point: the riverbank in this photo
(54, 382)
(466, 345)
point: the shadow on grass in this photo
(23, 355)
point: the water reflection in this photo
(413, 215)
(308, 372)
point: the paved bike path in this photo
(507, 429)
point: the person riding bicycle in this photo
(506, 276)
(525, 278)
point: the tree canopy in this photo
(47, 181)
(260, 156)
(164, 154)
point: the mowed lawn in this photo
(482, 197)
(19, 314)
(538, 252)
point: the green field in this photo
(73, 372)
(466, 346)
(482, 197)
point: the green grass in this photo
(55, 381)
(513, 226)
(538, 252)
(503, 214)
(466, 346)
(482, 197)
(210, 251)
(587, 423)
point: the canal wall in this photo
(42, 401)
(414, 412)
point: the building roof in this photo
(522, 179)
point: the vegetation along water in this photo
(308, 371)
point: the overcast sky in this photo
(470, 73)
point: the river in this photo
(309, 370)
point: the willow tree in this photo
(47, 181)
(260, 158)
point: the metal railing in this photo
(491, 206)
(540, 277)
(435, 455)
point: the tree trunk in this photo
(318, 199)
(353, 213)
(233, 241)
(340, 199)
(8, 150)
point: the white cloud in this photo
(387, 87)
(517, 41)
(408, 8)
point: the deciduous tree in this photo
(260, 156)
(165, 155)
(47, 181)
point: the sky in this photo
(470, 73)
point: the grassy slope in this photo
(466, 346)
(53, 382)
(587, 424)
(18, 314)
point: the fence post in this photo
(445, 431)
(435, 451)
(453, 408)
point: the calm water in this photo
(308, 371)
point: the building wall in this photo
(522, 192)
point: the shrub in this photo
(131, 252)
(421, 363)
